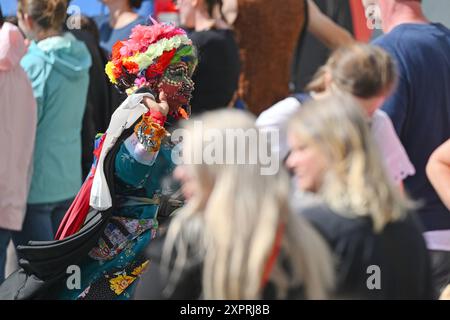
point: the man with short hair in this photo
(420, 111)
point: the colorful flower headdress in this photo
(143, 58)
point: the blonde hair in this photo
(233, 221)
(362, 70)
(47, 14)
(355, 183)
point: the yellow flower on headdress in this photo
(109, 69)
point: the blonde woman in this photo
(236, 237)
(365, 220)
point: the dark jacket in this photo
(217, 75)
(398, 253)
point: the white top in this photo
(277, 118)
(392, 151)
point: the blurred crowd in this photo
(360, 205)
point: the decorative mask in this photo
(160, 57)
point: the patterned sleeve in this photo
(133, 163)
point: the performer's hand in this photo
(162, 106)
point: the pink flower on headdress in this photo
(139, 82)
(143, 36)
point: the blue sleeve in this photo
(129, 170)
(396, 106)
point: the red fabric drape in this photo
(76, 215)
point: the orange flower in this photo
(131, 66)
(182, 113)
(116, 50)
(117, 70)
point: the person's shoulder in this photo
(195, 36)
(34, 60)
(79, 44)
(220, 37)
(228, 40)
(86, 37)
(406, 36)
(380, 114)
(333, 225)
(101, 20)
(389, 41)
(281, 111)
(380, 119)
(202, 38)
(384, 131)
(36, 66)
(139, 20)
(221, 34)
(408, 228)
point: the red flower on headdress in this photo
(132, 67)
(117, 70)
(159, 67)
(116, 50)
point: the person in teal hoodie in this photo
(58, 67)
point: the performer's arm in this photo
(326, 30)
(137, 155)
(438, 171)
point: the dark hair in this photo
(135, 4)
(48, 14)
(88, 24)
(211, 4)
(12, 19)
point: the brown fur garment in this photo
(267, 32)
